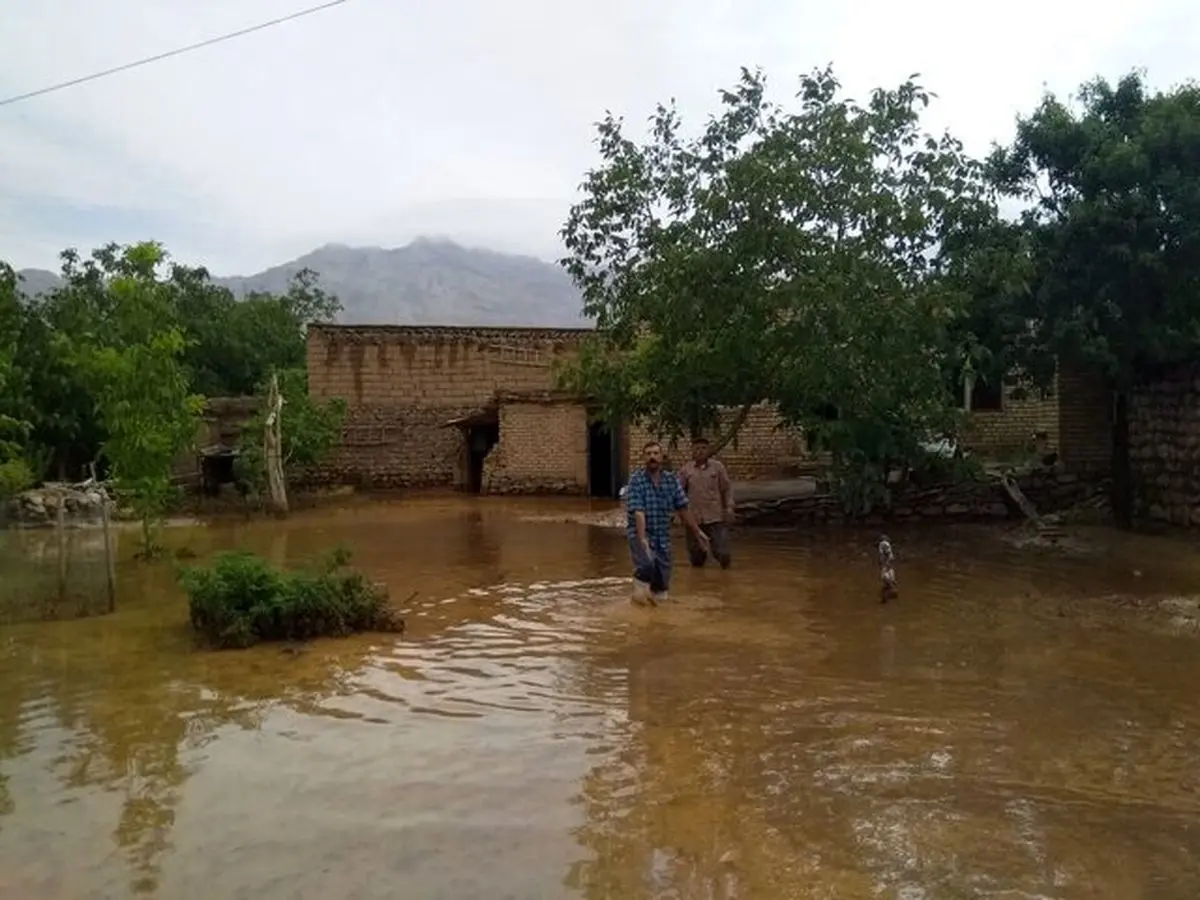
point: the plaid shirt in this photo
(659, 503)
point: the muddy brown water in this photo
(1013, 727)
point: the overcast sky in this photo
(380, 120)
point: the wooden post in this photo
(60, 528)
(273, 449)
(110, 562)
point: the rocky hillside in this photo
(428, 282)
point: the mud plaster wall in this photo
(1164, 446)
(543, 448)
(401, 384)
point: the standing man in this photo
(652, 497)
(710, 497)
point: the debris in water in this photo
(887, 570)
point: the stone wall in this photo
(1164, 446)
(543, 448)
(972, 501)
(402, 384)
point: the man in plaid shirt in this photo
(652, 498)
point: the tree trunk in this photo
(273, 450)
(1122, 473)
(734, 427)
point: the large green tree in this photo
(236, 344)
(1113, 226)
(793, 254)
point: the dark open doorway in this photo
(603, 470)
(481, 438)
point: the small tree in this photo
(141, 385)
(151, 417)
(787, 256)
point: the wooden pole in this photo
(110, 562)
(60, 528)
(273, 449)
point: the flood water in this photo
(1010, 728)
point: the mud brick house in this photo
(476, 408)
(467, 407)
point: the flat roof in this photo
(454, 329)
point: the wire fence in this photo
(58, 572)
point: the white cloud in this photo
(376, 121)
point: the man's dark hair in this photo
(646, 446)
(700, 440)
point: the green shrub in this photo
(241, 599)
(15, 476)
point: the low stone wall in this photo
(40, 506)
(970, 501)
(1164, 446)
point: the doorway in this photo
(481, 438)
(603, 470)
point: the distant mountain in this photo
(37, 281)
(428, 282)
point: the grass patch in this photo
(240, 599)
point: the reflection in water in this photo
(775, 734)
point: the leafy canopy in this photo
(229, 348)
(795, 256)
(1114, 223)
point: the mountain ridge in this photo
(429, 281)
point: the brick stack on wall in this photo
(403, 383)
(1164, 439)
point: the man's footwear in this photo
(641, 594)
(660, 597)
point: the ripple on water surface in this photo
(775, 733)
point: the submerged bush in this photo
(241, 599)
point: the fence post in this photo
(60, 529)
(110, 562)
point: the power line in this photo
(188, 49)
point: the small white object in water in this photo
(887, 570)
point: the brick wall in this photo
(1011, 428)
(543, 448)
(1085, 421)
(761, 449)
